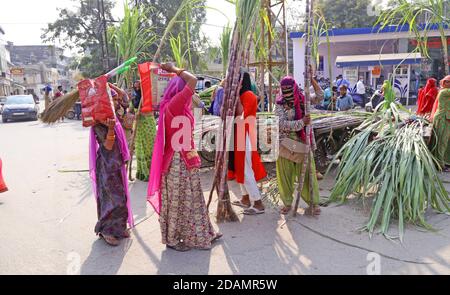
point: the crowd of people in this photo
(171, 166)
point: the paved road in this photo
(47, 225)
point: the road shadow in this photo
(104, 259)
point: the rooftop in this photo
(368, 30)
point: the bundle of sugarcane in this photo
(246, 14)
(396, 168)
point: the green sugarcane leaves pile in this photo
(390, 162)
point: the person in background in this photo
(47, 99)
(244, 164)
(216, 105)
(137, 95)
(426, 98)
(3, 187)
(441, 126)
(335, 82)
(344, 101)
(361, 91)
(57, 95)
(328, 94)
(174, 189)
(207, 84)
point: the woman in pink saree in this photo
(174, 189)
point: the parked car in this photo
(20, 107)
(2, 102)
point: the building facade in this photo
(374, 55)
(48, 59)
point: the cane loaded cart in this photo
(332, 130)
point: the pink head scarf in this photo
(158, 160)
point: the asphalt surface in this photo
(47, 225)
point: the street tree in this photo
(82, 29)
(348, 13)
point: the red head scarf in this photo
(427, 96)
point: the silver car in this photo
(20, 107)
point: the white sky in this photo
(23, 20)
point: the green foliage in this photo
(80, 29)
(347, 13)
(225, 40)
(131, 37)
(396, 168)
(177, 18)
(178, 51)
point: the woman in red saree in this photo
(3, 187)
(245, 164)
(427, 97)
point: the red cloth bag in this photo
(154, 82)
(96, 101)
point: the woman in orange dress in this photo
(245, 164)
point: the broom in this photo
(59, 107)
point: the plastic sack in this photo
(96, 101)
(154, 82)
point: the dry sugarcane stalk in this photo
(307, 161)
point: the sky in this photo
(23, 20)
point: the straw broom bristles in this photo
(59, 107)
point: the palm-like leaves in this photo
(132, 37)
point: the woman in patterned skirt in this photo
(174, 188)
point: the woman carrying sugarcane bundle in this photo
(441, 126)
(244, 164)
(145, 134)
(290, 110)
(174, 189)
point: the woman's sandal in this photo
(110, 240)
(254, 211)
(240, 204)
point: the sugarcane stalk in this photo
(308, 158)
